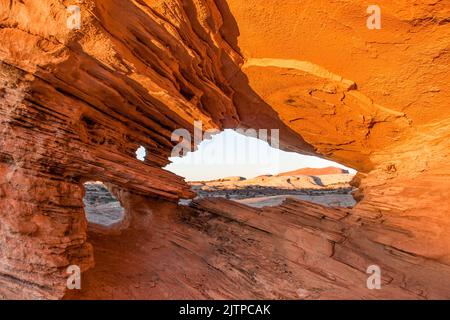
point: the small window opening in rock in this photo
(252, 171)
(101, 207)
(141, 153)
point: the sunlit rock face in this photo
(75, 104)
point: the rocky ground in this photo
(103, 210)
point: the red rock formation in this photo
(76, 104)
(219, 249)
(314, 171)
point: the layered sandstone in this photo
(219, 249)
(76, 104)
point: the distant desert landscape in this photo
(326, 186)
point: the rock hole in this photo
(141, 153)
(102, 208)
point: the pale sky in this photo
(231, 154)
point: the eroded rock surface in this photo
(76, 104)
(219, 249)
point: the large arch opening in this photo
(251, 170)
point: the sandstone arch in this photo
(75, 105)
